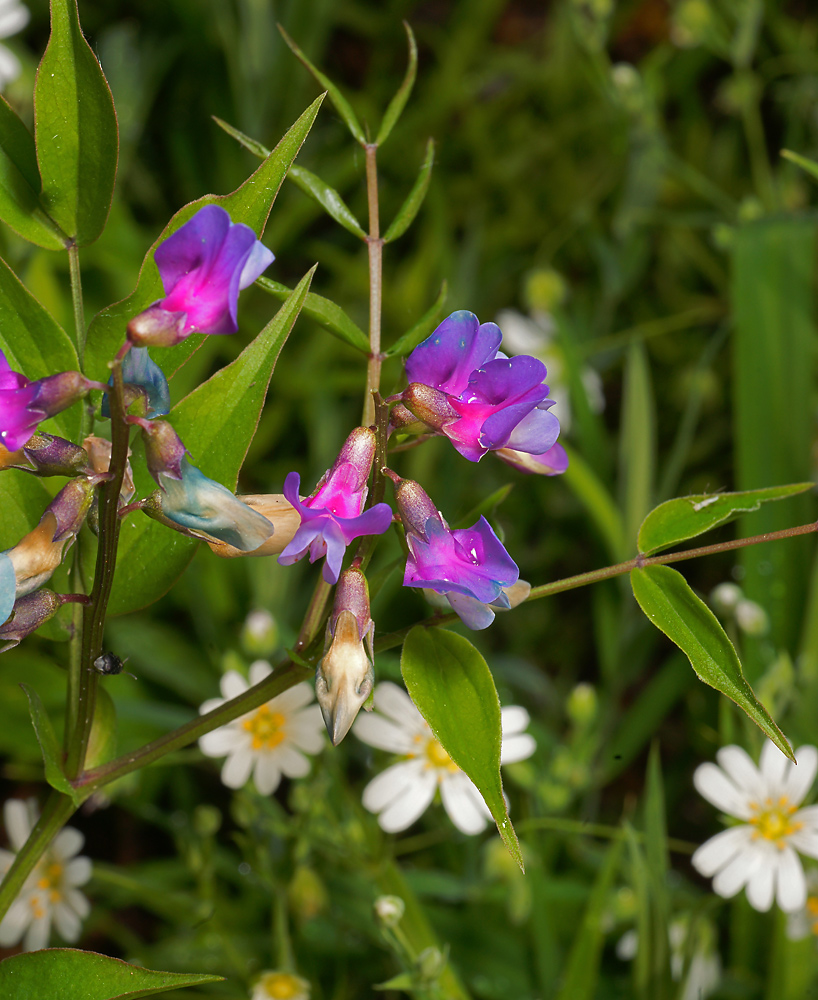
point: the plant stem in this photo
(282, 679)
(93, 623)
(375, 247)
(56, 811)
(608, 572)
(579, 827)
(76, 299)
(315, 616)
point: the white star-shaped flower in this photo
(281, 986)
(271, 740)
(50, 893)
(403, 792)
(761, 853)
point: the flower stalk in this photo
(374, 244)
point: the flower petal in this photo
(799, 778)
(67, 922)
(791, 886)
(38, 932)
(293, 763)
(232, 684)
(714, 785)
(761, 887)
(67, 843)
(19, 822)
(267, 773)
(405, 809)
(514, 719)
(720, 850)
(738, 872)
(449, 355)
(222, 741)
(394, 702)
(383, 734)
(740, 769)
(464, 804)
(518, 747)
(236, 769)
(78, 871)
(773, 766)
(293, 698)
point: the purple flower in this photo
(464, 387)
(469, 566)
(331, 518)
(203, 265)
(550, 463)
(23, 404)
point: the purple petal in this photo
(446, 359)
(256, 264)
(194, 245)
(374, 521)
(473, 613)
(507, 380)
(535, 433)
(482, 545)
(335, 548)
(301, 541)
(550, 463)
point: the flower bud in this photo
(46, 455)
(98, 451)
(279, 512)
(307, 894)
(164, 449)
(751, 618)
(582, 705)
(429, 405)
(389, 910)
(142, 377)
(28, 614)
(414, 506)
(403, 421)
(259, 636)
(725, 597)
(278, 985)
(344, 678)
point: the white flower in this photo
(760, 853)
(804, 922)
(281, 986)
(14, 17)
(267, 741)
(50, 892)
(702, 974)
(403, 792)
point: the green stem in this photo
(580, 828)
(277, 682)
(56, 811)
(76, 299)
(375, 247)
(84, 686)
(315, 617)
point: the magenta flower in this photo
(331, 518)
(23, 404)
(464, 387)
(550, 463)
(203, 265)
(469, 566)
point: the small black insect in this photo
(109, 663)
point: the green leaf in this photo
(342, 105)
(579, 979)
(23, 498)
(35, 344)
(686, 517)
(656, 854)
(52, 756)
(328, 198)
(20, 186)
(637, 443)
(398, 102)
(325, 312)
(668, 601)
(452, 686)
(409, 209)
(486, 507)
(804, 162)
(70, 974)
(424, 326)
(75, 129)
(217, 422)
(250, 203)
(256, 148)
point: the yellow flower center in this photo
(282, 985)
(49, 882)
(267, 730)
(434, 754)
(773, 820)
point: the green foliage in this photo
(410, 208)
(47, 738)
(325, 312)
(84, 975)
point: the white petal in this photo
(740, 769)
(391, 784)
(520, 746)
(463, 803)
(799, 778)
(14, 923)
(222, 741)
(259, 669)
(67, 922)
(761, 886)
(805, 840)
(38, 933)
(67, 843)
(714, 785)
(17, 816)
(10, 66)
(291, 762)
(791, 886)
(306, 730)
(396, 703)
(514, 719)
(6, 861)
(293, 698)
(210, 704)
(404, 810)
(267, 773)
(77, 871)
(721, 849)
(78, 902)
(236, 769)
(13, 18)
(627, 946)
(773, 765)
(232, 684)
(380, 732)
(738, 872)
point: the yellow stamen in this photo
(437, 757)
(266, 728)
(282, 985)
(774, 822)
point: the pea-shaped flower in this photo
(331, 517)
(469, 566)
(461, 385)
(203, 266)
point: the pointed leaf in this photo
(71, 974)
(410, 208)
(804, 162)
(250, 203)
(20, 206)
(668, 601)
(342, 105)
(75, 129)
(52, 756)
(325, 312)
(252, 145)
(398, 102)
(686, 517)
(454, 691)
(328, 198)
(424, 326)
(217, 422)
